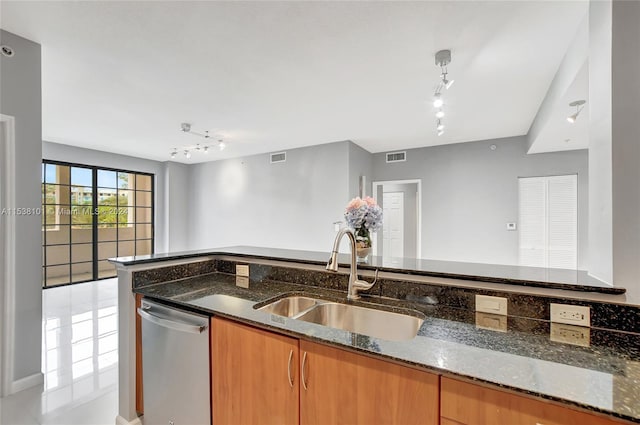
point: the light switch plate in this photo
(493, 305)
(242, 270)
(570, 334)
(570, 314)
(492, 322)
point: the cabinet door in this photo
(471, 404)
(253, 375)
(340, 387)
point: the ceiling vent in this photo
(278, 157)
(397, 156)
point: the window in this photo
(91, 214)
(549, 221)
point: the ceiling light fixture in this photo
(440, 132)
(443, 58)
(187, 150)
(440, 114)
(439, 126)
(579, 105)
(437, 100)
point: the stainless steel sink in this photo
(290, 306)
(363, 320)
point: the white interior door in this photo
(393, 227)
(549, 221)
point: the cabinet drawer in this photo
(470, 404)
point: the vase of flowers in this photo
(364, 216)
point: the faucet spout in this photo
(355, 284)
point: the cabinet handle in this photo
(304, 363)
(289, 369)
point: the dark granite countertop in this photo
(603, 376)
(575, 280)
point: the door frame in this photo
(418, 182)
(7, 254)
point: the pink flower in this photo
(370, 201)
(355, 203)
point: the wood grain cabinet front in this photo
(464, 403)
(341, 387)
(253, 375)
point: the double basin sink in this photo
(362, 320)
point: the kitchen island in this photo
(597, 373)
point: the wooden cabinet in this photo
(254, 375)
(341, 387)
(464, 403)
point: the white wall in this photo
(248, 201)
(177, 201)
(600, 193)
(626, 146)
(360, 164)
(470, 193)
(20, 88)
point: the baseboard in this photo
(122, 421)
(27, 382)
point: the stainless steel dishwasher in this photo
(175, 366)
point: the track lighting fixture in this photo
(437, 100)
(204, 147)
(579, 105)
(443, 58)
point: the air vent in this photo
(278, 157)
(397, 156)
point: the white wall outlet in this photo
(570, 334)
(512, 226)
(242, 281)
(242, 270)
(493, 305)
(493, 322)
(571, 314)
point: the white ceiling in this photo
(122, 76)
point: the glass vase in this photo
(363, 244)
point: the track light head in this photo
(186, 127)
(439, 126)
(579, 105)
(440, 114)
(440, 132)
(174, 153)
(437, 100)
(221, 145)
(187, 154)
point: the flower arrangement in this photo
(363, 216)
(363, 213)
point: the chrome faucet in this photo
(355, 284)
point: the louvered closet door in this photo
(548, 209)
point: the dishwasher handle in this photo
(171, 324)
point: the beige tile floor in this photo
(79, 360)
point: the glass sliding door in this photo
(91, 214)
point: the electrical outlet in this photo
(242, 281)
(242, 270)
(571, 314)
(493, 305)
(492, 322)
(570, 334)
